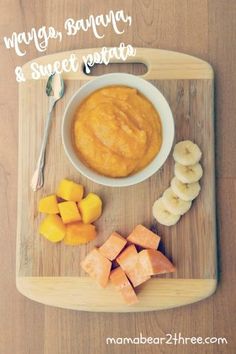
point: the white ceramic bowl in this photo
(150, 92)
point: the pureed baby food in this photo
(116, 131)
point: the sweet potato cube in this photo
(90, 208)
(48, 205)
(154, 262)
(143, 237)
(122, 284)
(137, 276)
(52, 228)
(78, 233)
(97, 266)
(69, 212)
(113, 246)
(70, 190)
(128, 260)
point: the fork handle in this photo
(38, 176)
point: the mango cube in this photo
(78, 233)
(52, 228)
(48, 205)
(70, 190)
(69, 212)
(90, 208)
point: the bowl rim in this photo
(147, 171)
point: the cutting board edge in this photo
(157, 294)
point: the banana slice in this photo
(162, 215)
(187, 153)
(174, 204)
(185, 191)
(188, 174)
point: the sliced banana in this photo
(162, 215)
(174, 204)
(177, 199)
(187, 153)
(188, 174)
(185, 191)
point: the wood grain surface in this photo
(202, 28)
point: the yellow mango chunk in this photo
(69, 212)
(48, 205)
(90, 208)
(70, 190)
(52, 228)
(78, 233)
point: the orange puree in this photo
(117, 131)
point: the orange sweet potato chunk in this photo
(122, 284)
(143, 237)
(97, 266)
(136, 275)
(154, 262)
(113, 246)
(128, 260)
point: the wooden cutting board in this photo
(50, 273)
